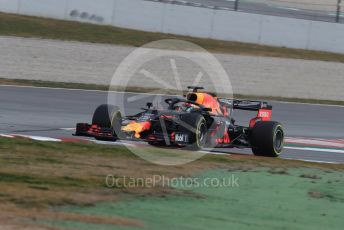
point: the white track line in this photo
(312, 161)
(53, 88)
(103, 91)
(68, 129)
(315, 142)
(305, 103)
(110, 143)
(38, 138)
(315, 149)
(7, 136)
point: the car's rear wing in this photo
(251, 105)
(264, 110)
(244, 104)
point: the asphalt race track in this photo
(315, 132)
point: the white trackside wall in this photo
(190, 21)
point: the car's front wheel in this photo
(196, 126)
(107, 116)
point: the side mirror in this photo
(149, 105)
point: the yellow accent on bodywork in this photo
(137, 127)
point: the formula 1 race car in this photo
(195, 121)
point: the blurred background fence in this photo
(222, 23)
(317, 10)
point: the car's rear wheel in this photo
(267, 139)
(196, 126)
(107, 116)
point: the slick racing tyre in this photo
(267, 139)
(196, 126)
(107, 116)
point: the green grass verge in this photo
(26, 26)
(261, 199)
(37, 178)
(67, 85)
